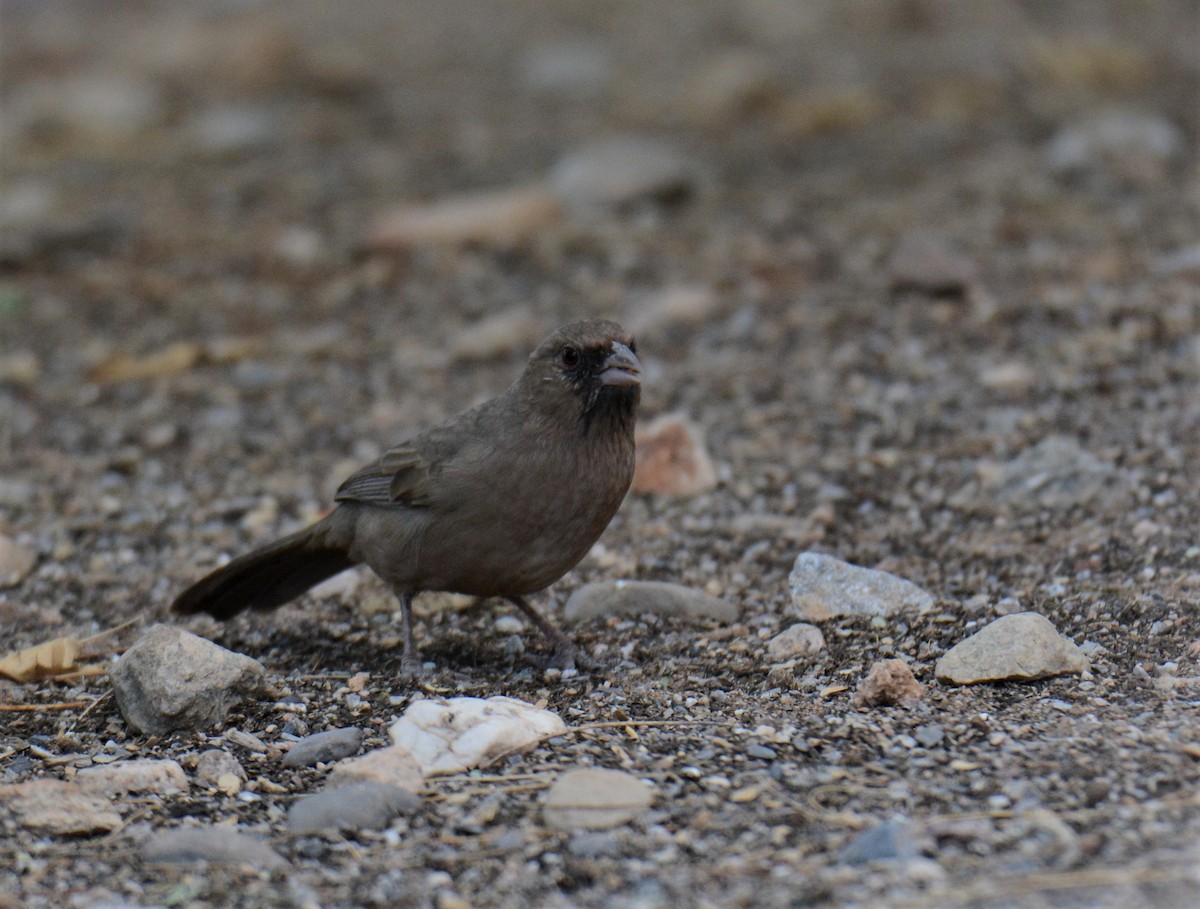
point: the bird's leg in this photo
(567, 654)
(410, 660)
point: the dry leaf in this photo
(41, 661)
(171, 360)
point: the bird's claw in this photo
(411, 668)
(571, 656)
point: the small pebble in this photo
(324, 747)
(219, 844)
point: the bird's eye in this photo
(632, 345)
(569, 356)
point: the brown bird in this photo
(500, 501)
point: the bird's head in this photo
(586, 372)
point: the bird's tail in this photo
(267, 577)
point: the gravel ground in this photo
(898, 245)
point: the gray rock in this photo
(889, 841)
(931, 264)
(930, 734)
(605, 598)
(576, 69)
(589, 844)
(1056, 473)
(58, 808)
(823, 587)
(170, 679)
(358, 806)
(592, 799)
(218, 844)
(324, 747)
(233, 129)
(93, 105)
(617, 173)
(802, 639)
(1021, 647)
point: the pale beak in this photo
(622, 368)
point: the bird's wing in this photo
(403, 475)
(410, 474)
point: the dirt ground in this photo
(198, 341)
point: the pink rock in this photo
(672, 460)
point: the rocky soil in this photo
(917, 287)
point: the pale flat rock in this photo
(496, 335)
(170, 679)
(157, 777)
(58, 808)
(218, 844)
(393, 766)
(618, 172)
(450, 736)
(823, 587)
(672, 459)
(594, 799)
(802, 639)
(16, 561)
(496, 217)
(1020, 647)
(324, 747)
(358, 806)
(673, 306)
(634, 598)
(889, 682)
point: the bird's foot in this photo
(569, 655)
(411, 668)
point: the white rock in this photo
(823, 587)
(450, 736)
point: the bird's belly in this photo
(500, 556)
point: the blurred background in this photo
(244, 245)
